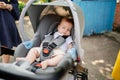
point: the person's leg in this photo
(5, 54)
(5, 58)
(31, 56)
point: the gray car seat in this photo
(50, 22)
(43, 26)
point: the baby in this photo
(63, 29)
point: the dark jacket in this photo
(9, 35)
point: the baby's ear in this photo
(58, 26)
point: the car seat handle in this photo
(21, 21)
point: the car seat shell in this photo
(35, 10)
(35, 13)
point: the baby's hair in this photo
(70, 20)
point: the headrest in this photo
(47, 24)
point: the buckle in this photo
(45, 51)
(38, 65)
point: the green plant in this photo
(21, 5)
(41, 1)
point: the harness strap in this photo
(50, 43)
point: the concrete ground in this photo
(100, 55)
(100, 52)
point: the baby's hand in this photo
(70, 46)
(44, 64)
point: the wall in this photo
(99, 16)
(117, 17)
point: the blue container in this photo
(99, 15)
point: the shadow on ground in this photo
(100, 54)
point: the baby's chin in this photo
(64, 35)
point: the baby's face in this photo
(65, 28)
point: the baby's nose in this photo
(65, 32)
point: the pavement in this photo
(100, 52)
(100, 55)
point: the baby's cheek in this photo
(68, 33)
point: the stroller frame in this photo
(79, 27)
